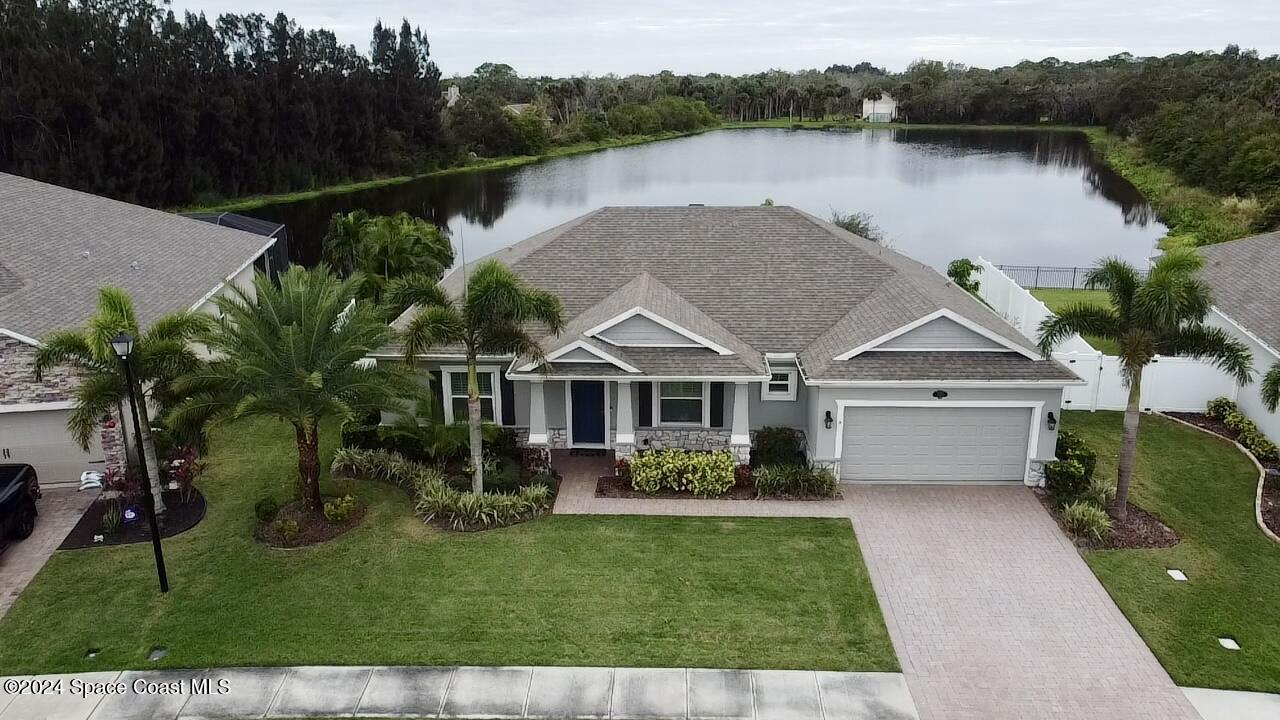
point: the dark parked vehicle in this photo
(19, 490)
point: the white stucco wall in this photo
(1249, 397)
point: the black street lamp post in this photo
(122, 343)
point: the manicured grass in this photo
(1203, 488)
(562, 590)
(1057, 298)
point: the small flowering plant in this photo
(622, 468)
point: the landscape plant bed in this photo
(178, 517)
(1271, 502)
(612, 486)
(1140, 530)
(313, 527)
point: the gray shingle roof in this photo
(1242, 274)
(62, 245)
(767, 279)
(999, 366)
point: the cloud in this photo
(574, 36)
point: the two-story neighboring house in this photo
(57, 248)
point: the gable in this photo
(639, 330)
(580, 355)
(941, 333)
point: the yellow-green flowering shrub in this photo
(702, 473)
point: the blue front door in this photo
(588, 412)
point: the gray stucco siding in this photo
(940, 333)
(823, 441)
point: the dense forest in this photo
(123, 98)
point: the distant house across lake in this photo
(883, 110)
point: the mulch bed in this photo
(178, 517)
(1140, 530)
(1271, 502)
(313, 528)
(612, 486)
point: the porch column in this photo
(624, 444)
(740, 435)
(537, 454)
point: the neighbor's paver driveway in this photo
(995, 615)
(60, 509)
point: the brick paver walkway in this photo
(994, 614)
(60, 509)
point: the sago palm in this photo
(295, 353)
(494, 316)
(1162, 315)
(161, 353)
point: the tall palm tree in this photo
(294, 352)
(393, 246)
(161, 353)
(492, 317)
(342, 241)
(1162, 315)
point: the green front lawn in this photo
(563, 590)
(1056, 298)
(1204, 489)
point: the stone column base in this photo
(741, 453)
(1035, 473)
(624, 450)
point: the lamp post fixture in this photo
(122, 344)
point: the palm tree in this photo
(1271, 387)
(491, 318)
(294, 352)
(342, 241)
(160, 354)
(1162, 315)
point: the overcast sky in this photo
(568, 37)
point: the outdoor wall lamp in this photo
(828, 420)
(1053, 421)
(939, 394)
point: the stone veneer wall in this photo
(18, 386)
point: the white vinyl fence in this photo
(1169, 383)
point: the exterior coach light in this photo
(1053, 421)
(939, 394)
(828, 420)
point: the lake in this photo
(1014, 197)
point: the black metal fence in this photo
(1048, 276)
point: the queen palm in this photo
(1271, 387)
(294, 353)
(160, 354)
(342, 240)
(493, 317)
(1161, 315)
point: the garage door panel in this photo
(40, 439)
(935, 444)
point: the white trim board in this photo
(1245, 331)
(227, 280)
(20, 337)
(603, 357)
(697, 340)
(1033, 436)
(38, 407)
(968, 324)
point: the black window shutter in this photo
(508, 401)
(717, 405)
(437, 395)
(645, 403)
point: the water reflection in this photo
(1025, 197)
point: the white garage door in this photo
(932, 444)
(40, 439)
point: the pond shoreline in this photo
(256, 202)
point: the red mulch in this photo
(1140, 530)
(612, 486)
(312, 527)
(1271, 502)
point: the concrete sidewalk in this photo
(460, 692)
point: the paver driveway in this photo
(60, 510)
(994, 614)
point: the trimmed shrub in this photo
(777, 446)
(702, 473)
(1066, 479)
(1258, 444)
(1218, 408)
(1071, 447)
(336, 511)
(1086, 520)
(794, 481)
(266, 509)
